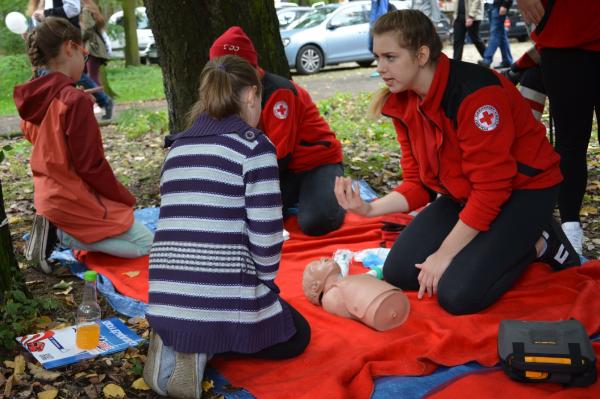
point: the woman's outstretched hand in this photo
(348, 196)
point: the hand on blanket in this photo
(431, 272)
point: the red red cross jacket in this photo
(568, 23)
(473, 138)
(293, 123)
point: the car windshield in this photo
(312, 18)
(141, 20)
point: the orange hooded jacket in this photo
(74, 185)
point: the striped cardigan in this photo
(218, 242)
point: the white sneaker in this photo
(574, 233)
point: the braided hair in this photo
(43, 43)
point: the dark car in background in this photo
(517, 28)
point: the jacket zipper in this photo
(102, 205)
(439, 159)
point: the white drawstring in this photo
(4, 223)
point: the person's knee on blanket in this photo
(317, 222)
(458, 300)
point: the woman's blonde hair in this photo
(43, 43)
(221, 84)
(413, 29)
(96, 14)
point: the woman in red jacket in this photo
(471, 146)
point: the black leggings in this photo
(572, 81)
(288, 349)
(318, 210)
(489, 265)
(460, 28)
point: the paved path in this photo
(346, 78)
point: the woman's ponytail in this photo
(221, 84)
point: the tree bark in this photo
(132, 53)
(184, 30)
(8, 263)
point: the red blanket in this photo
(129, 276)
(344, 355)
(484, 385)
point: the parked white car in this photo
(144, 34)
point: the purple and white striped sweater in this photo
(218, 242)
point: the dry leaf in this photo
(91, 392)
(588, 210)
(19, 364)
(207, 385)
(133, 273)
(41, 374)
(49, 394)
(113, 391)
(8, 386)
(62, 285)
(140, 385)
(42, 322)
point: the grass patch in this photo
(141, 83)
(14, 69)
(136, 122)
(371, 150)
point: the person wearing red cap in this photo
(308, 153)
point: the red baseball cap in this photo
(234, 41)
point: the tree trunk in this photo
(132, 53)
(185, 30)
(8, 263)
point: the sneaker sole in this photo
(152, 366)
(42, 262)
(566, 246)
(186, 381)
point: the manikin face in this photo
(398, 67)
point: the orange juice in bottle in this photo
(88, 315)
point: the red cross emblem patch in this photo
(280, 109)
(487, 118)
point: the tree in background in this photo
(132, 54)
(8, 263)
(185, 30)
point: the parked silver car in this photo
(336, 33)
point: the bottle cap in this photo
(90, 275)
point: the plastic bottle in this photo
(88, 315)
(376, 272)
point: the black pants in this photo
(459, 38)
(288, 349)
(318, 211)
(572, 81)
(488, 266)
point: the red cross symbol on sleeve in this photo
(487, 118)
(280, 109)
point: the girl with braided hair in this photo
(78, 199)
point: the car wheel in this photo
(365, 64)
(309, 60)
(522, 38)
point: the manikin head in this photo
(318, 276)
